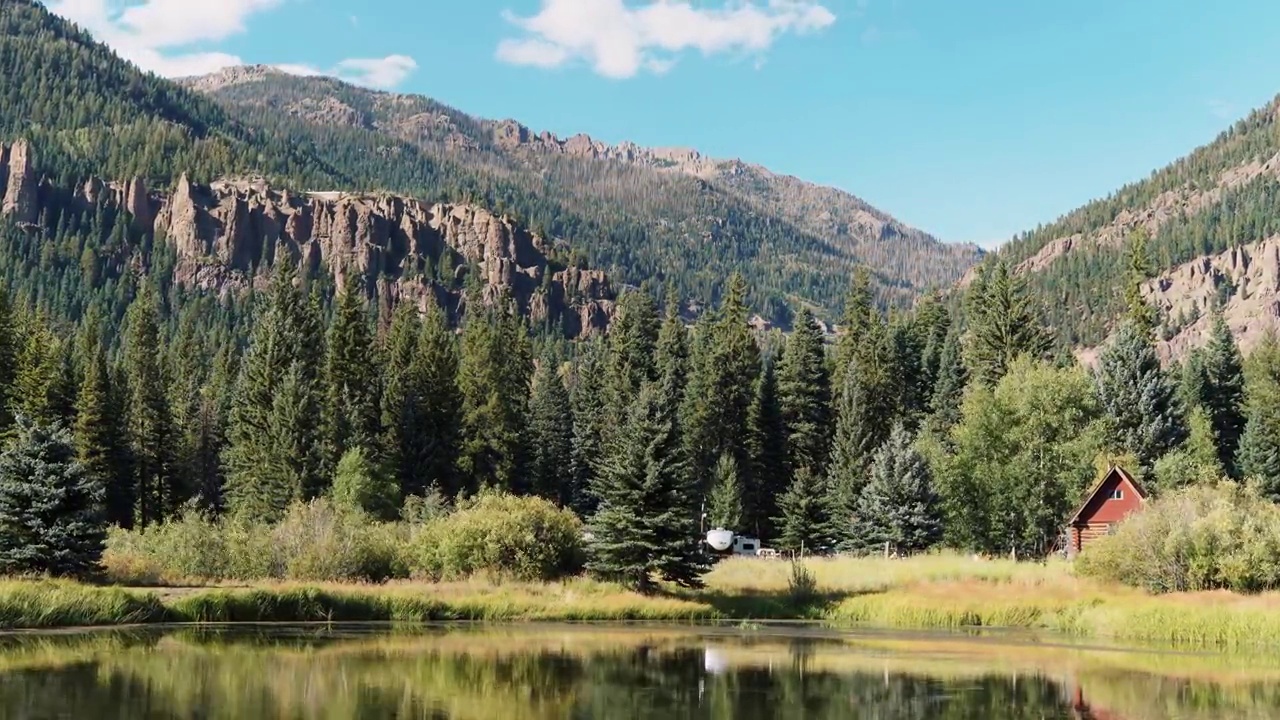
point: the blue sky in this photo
(971, 119)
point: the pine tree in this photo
(50, 509)
(804, 393)
(671, 354)
(441, 431)
(948, 391)
(769, 477)
(1138, 310)
(724, 367)
(151, 436)
(1223, 391)
(726, 496)
(862, 424)
(1004, 324)
(645, 523)
(589, 420)
(8, 360)
(551, 433)
(36, 374)
(899, 507)
(633, 337)
(403, 401)
(802, 521)
(1259, 453)
(1141, 405)
(493, 377)
(859, 315)
(351, 402)
(100, 446)
(272, 456)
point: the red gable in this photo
(1113, 498)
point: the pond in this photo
(612, 671)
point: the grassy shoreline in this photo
(936, 592)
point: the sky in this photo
(971, 119)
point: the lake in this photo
(611, 671)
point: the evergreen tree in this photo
(1141, 405)
(8, 360)
(440, 434)
(726, 496)
(769, 477)
(1138, 310)
(1195, 462)
(802, 520)
(725, 366)
(151, 437)
(494, 379)
(1259, 453)
(860, 315)
(671, 354)
(1004, 324)
(633, 337)
(804, 394)
(551, 433)
(404, 403)
(1223, 391)
(351, 402)
(862, 425)
(36, 373)
(272, 456)
(100, 446)
(899, 506)
(589, 419)
(948, 392)
(50, 509)
(645, 523)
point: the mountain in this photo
(1211, 217)
(665, 214)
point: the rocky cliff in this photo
(396, 248)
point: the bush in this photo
(1202, 538)
(502, 535)
(316, 541)
(360, 484)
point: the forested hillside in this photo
(637, 212)
(1223, 195)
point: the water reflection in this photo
(568, 672)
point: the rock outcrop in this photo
(396, 249)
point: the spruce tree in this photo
(351, 402)
(36, 373)
(550, 433)
(151, 436)
(802, 521)
(1259, 453)
(404, 402)
(589, 420)
(671, 353)
(948, 391)
(441, 431)
(1141, 405)
(633, 337)
(8, 360)
(863, 422)
(859, 314)
(646, 520)
(1004, 324)
(51, 517)
(804, 393)
(1138, 310)
(726, 496)
(899, 506)
(493, 376)
(769, 477)
(1223, 391)
(100, 444)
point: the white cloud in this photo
(159, 35)
(619, 41)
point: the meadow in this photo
(933, 591)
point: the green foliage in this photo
(898, 507)
(1205, 537)
(1144, 414)
(726, 496)
(493, 377)
(1004, 324)
(769, 473)
(1138, 310)
(804, 394)
(803, 520)
(862, 425)
(100, 447)
(50, 510)
(646, 520)
(1259, 454)
(948, 391)
(551, 433)
(1023, 454)
(360, 484)
(150, 423)
(1195, 462)
(589, 424)
(504, 536)
(351, 382)
(1223, 391)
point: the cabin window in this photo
(1117, 494)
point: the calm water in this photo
(613, 672)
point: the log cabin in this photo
(1104, 507)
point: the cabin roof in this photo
(1115, 471)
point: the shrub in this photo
(502, 535)
(1201, 538)
(324, 541)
